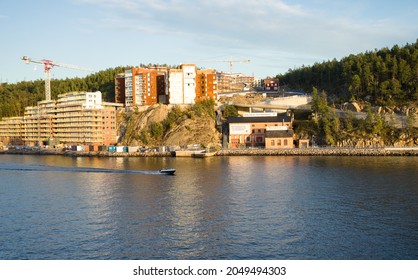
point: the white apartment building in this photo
(129, 88)
(176, 86)
(182, 84)
(80, 119)
(189, 83)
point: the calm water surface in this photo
(54, 207)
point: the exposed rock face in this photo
(193, 131)
(403, 140)
(362, 143)
(187, 128)
(131, 123)
(352, 106)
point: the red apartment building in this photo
(120, 88)
(271, 84)
(141, 87)
(206, 85)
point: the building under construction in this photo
(229, 82)
(74, 118)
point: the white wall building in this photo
(176, 86)
(128, 88)
(189, 83)
(182, 84)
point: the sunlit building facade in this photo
(74, 118)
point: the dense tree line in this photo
(15, 97)
(386, 77)
(325, 127)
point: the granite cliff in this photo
(170, 125)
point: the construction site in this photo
(83, 118)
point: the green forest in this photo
(385, 77)
(15, 97)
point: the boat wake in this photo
(43, 168)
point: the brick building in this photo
(271, 84)
(206, 85)
(279, 137)
(141, 86)
(250, 130)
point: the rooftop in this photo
(259, 119)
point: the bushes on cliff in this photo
(325, 127)
(200, 108)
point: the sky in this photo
(275, 35)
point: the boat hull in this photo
(167, 171)
(204, 154)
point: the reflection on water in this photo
(214, 208)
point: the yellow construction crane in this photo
(231, 62)
(48, 65)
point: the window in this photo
(279, 142)
(272, 142)
(285, 142)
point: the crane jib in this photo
(48, 65)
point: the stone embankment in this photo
(115, 154)
(387, 151)
(321, 152)
(85, 154)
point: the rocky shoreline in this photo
(387, 151)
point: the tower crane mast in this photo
(48, 65)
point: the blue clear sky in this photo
(274, 34)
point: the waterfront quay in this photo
(324, 151)
(320, 151)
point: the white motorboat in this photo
(168, 171)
